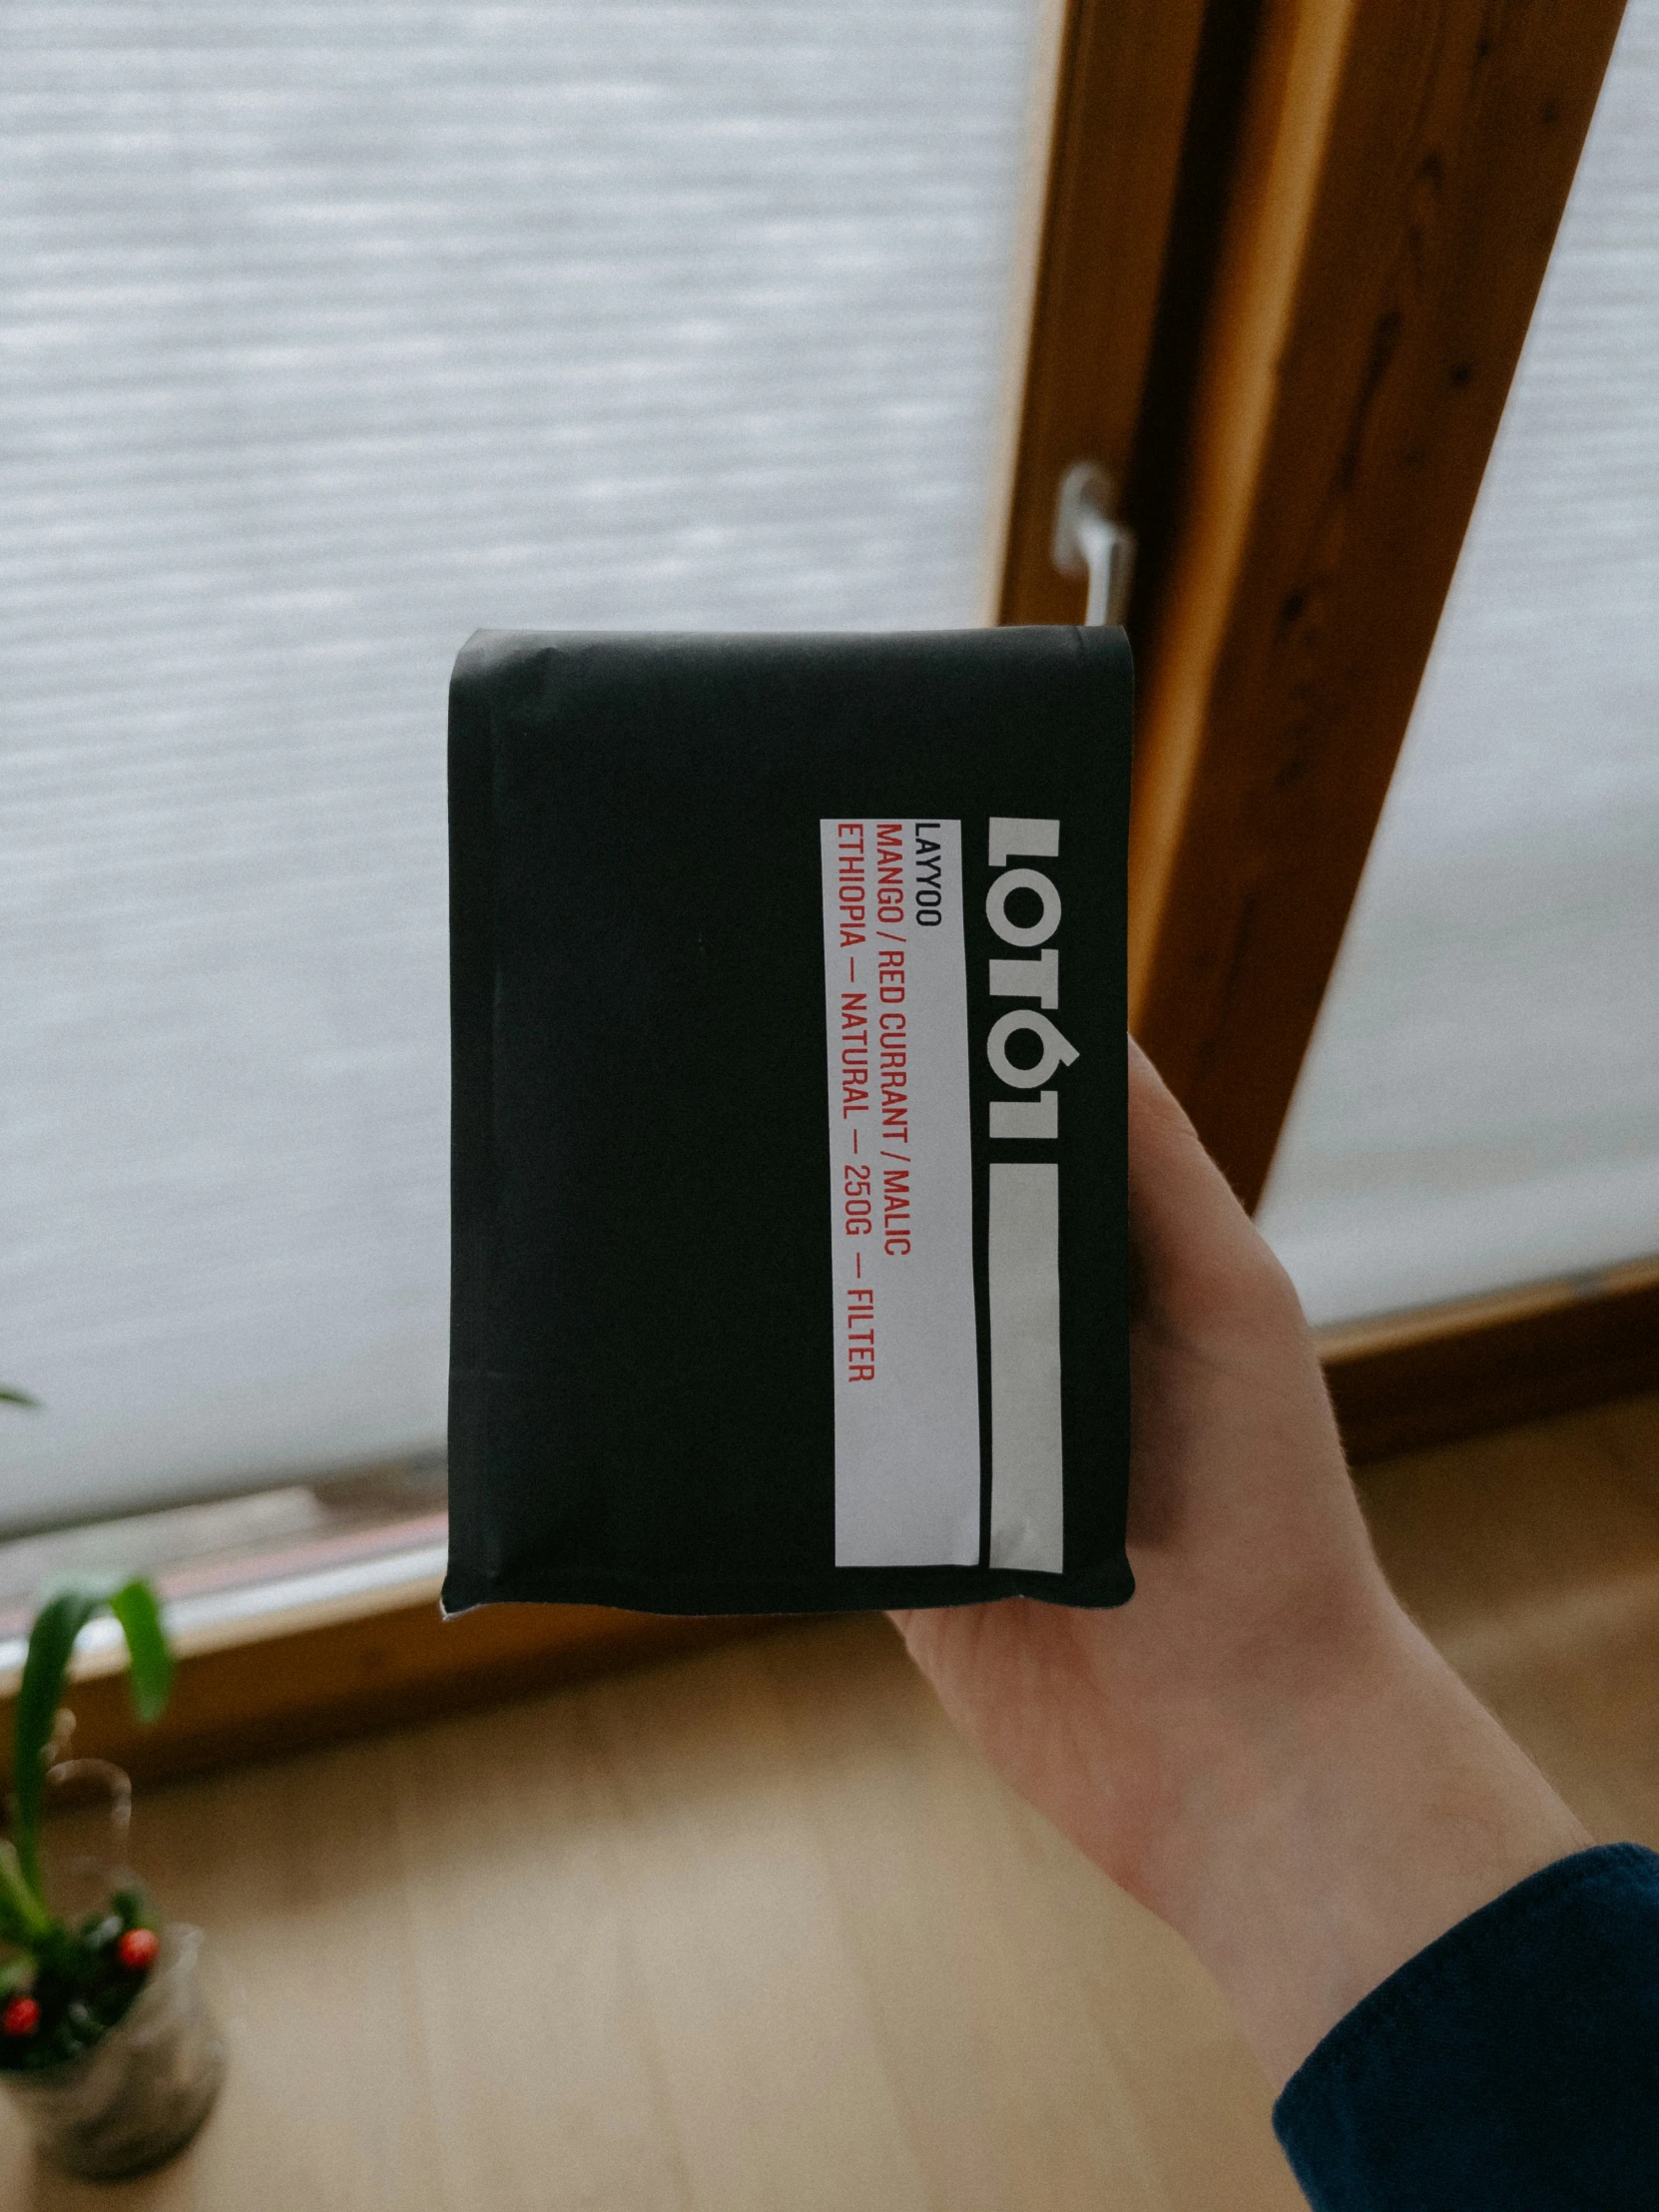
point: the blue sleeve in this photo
(1511, 2067)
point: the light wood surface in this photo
(1532, 1559)
(751, 1929)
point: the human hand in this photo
(1259, 1746)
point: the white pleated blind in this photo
(1481, 1106)
(331, 332)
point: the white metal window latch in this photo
(1089, 541)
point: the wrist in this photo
(1365, 1816)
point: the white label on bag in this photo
(1023, 1273)
(907, 1370)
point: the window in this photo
(1480, 1104)
(333, 332)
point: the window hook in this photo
(1090, 541)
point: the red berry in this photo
(138, 1948)
(21, 2017)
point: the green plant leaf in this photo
(63, 1614)
(14, 1928)
(135, 1607)
(24, 1919)
(51, 1640)
(19, 1398)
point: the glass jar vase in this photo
(144, 2088)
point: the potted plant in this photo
(106, 2044)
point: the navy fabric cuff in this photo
(1514, 2063)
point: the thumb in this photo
(1197, 1251)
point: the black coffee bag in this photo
(789, 1186)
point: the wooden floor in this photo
(751, 1930)
(1532, 1559)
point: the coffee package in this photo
(789, 1120)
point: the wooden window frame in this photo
(1288, 254)
(1393, 185)
(1365, 204)
(1401, 174)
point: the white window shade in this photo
(1480, 1105)
(331, 332)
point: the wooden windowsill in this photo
(1448, 1371)
(333, 1649)
(349, 1638)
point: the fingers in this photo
(1195, 1245)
